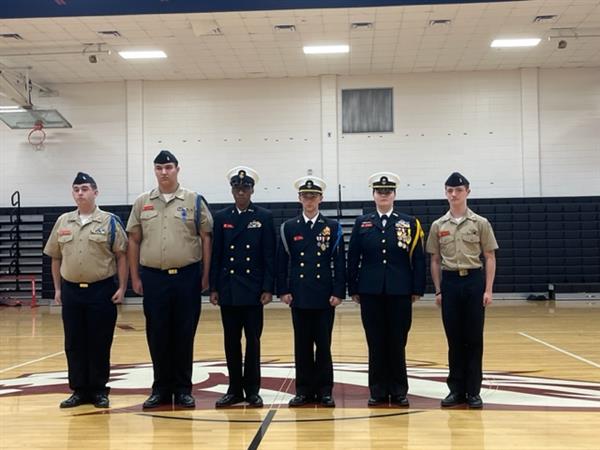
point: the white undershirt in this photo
(85, 218)
(168, 197)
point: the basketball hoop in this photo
(37, 136)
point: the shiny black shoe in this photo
(101, 401)
(254, 401)
(73, 401)
(228, 400)
(399, 400)
(299, 400)
(327, 401)
(185, 400)
(377, 401)
(474, 401)
(156, 400)
(453, 399)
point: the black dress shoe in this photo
(72, 401)
(299, 400)
(376, 401)
(327, 401)
(453, 399)
(185, 400)
(101, 401)
(474, 401)
(399, 400)
(156, 400)
(228, 400)
(254, 401)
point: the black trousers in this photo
(249, 319)
(463, 317)
(312, 350)
(386, 320)
(89, 318)
(172, 305)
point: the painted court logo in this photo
(501, 390)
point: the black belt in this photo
(460, 272)
(173, 270)
(88, 285)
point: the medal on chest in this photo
(323, 238)
(403, 234)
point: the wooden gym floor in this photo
(541, 387)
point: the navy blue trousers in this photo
(89, 318)
(463, 317)
(172, 305)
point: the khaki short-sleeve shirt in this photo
(170, 234)
(85, 250)
(460, 244)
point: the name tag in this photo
(64, 232)
(148, 208)
(228, 225)
(366, 224)
(444, 233)
(298, 238)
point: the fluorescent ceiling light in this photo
(145, 54)
(515, 42)
(325, 49)
(11, 109)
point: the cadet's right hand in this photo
(137, 286)
(356, 298)
(438, 299)
(286, 298)
(57, 298)
(214, 298)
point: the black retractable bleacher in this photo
(542, 240)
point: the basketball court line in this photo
(553, 347)
(32, 361)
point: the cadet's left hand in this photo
(487, 298)
(414, 298)
(204, 283)
(334, 301)
(266, 298)
(118, 296)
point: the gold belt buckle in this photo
(172, 271)
(463, 272)
(83, 285)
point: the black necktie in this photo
(309, 224)
(384, 219)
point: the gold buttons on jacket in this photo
(301, 253)
(247, 245)
(301, 275)
(232, 271)
(247, 270)
(232, 246)
(247, 258)
(301, 264)
(232, 259)
(318, 276)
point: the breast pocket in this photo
(98, 238)
(472, 244)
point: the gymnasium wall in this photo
(521, 133)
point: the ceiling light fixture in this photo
(500, 43)
(325, 49)
(144, 54)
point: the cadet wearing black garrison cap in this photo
(456, 242)
(88, 247)
(170, 231)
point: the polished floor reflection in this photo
(541, 387)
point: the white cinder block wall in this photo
(512, 133)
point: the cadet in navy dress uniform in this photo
(170, 237)
(242, 278)
(311, 279)
(456, 242)
(386, 273)
(88, 247)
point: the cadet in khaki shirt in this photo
(88, 247)
(170, 231)
(456, 242)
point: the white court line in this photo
(553, 347)
(32, 361)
